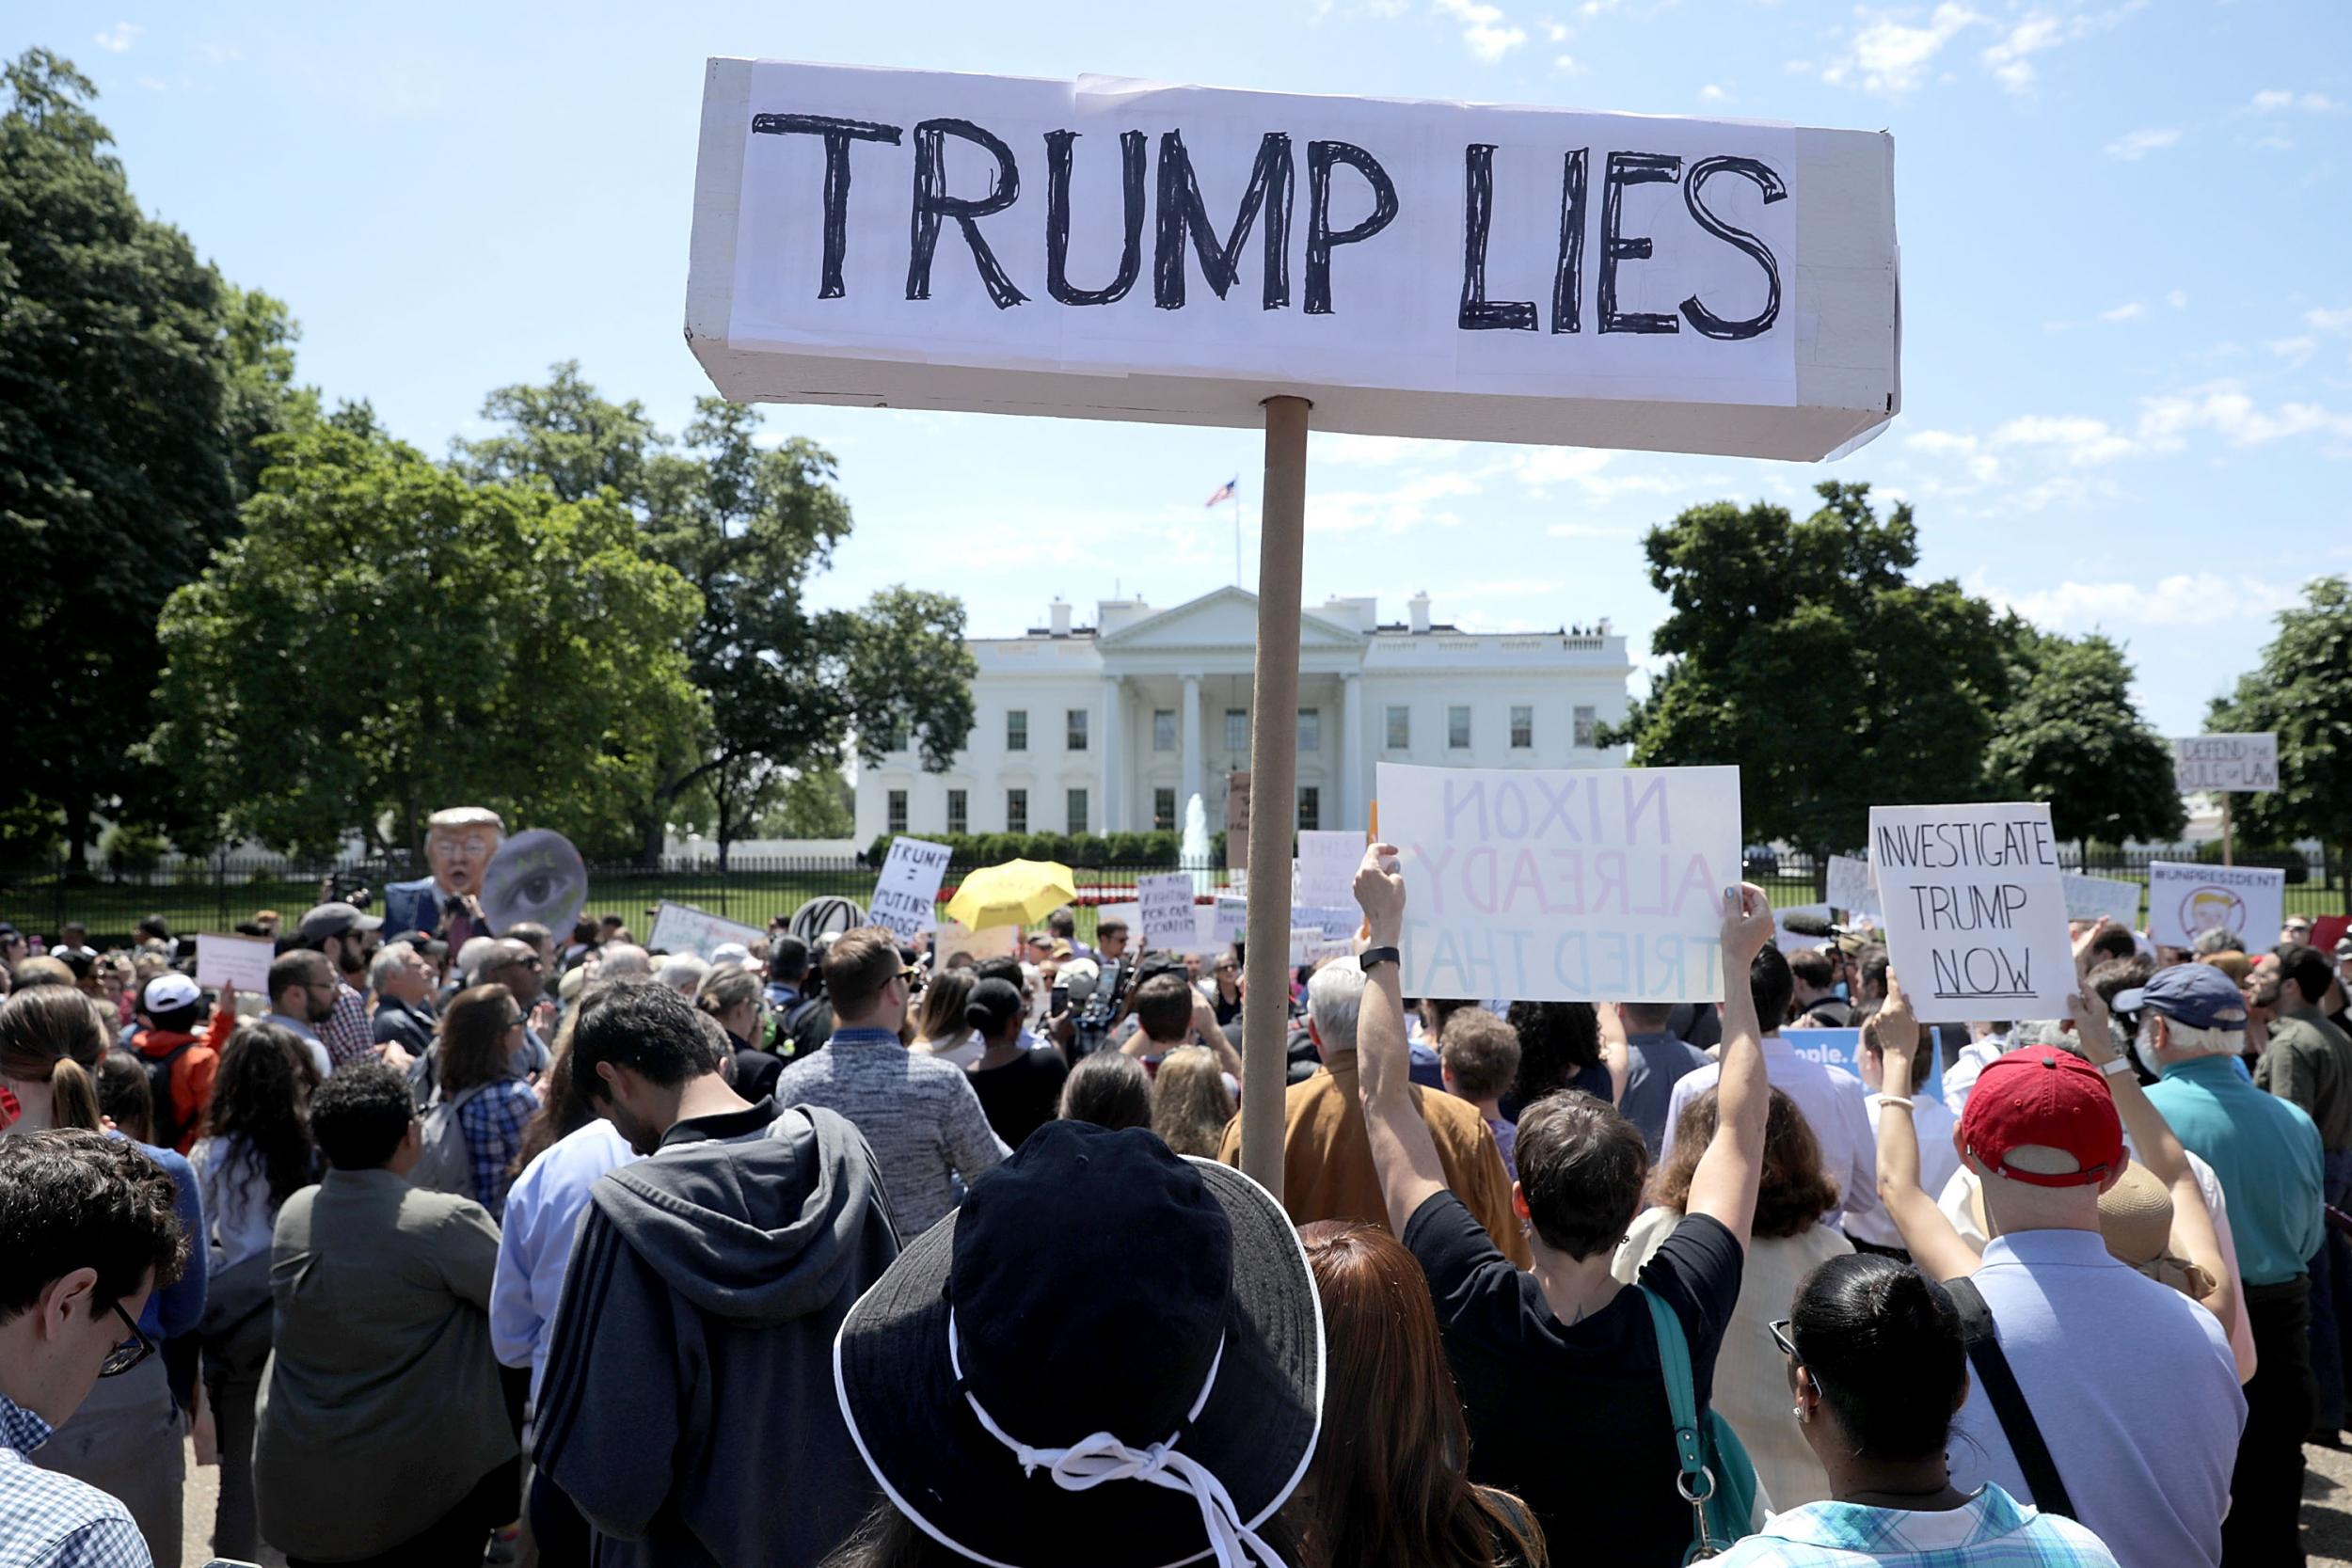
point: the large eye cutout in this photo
(536, 876)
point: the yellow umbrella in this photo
(1013, 894)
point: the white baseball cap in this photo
(169, 992)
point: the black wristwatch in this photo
(1375, 955)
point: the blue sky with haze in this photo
(2127, 278)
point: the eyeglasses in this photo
(909, 975)
(129, 1354)
(1780, 1331)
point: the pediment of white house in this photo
(1227, 618)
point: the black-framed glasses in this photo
(129, 1354)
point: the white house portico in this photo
(1112, 728)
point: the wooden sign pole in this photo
(2229, 833)
(1272, 795)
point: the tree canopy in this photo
(2302, 689)
(2072, 737)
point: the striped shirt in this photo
(1991, 1530)
(918, 1113)
(53, 1521)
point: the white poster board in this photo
(1327, 862)
(906, 894)
(684, 928)
(2089, 897)
(1975, 909)
(1165, 904)
(2184, 900)
(1111, 248)
(997, 942)
(240, 962)
(1230, 921)
(2226, 763)
(1543, 885)
(1850, 888)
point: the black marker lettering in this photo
(1630, 168)
(1182, 210)
(932, 202)
(1320, 239)
(838, 134)
(1568, 279)
(1477, 313)
(1699, 316)
(1058, 220)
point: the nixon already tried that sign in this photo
(2226, 763)
(1118, 249)
(1975, 909)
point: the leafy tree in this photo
(1802, 653)
(791, 688)
(2302, 689)
(387, 638)
(819, 803)
(120, 437)
(2071, 736)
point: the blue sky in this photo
(2128, 277)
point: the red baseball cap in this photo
(2043, 1095)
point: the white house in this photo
(1112, 728)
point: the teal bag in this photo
(1717, 1479)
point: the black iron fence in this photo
(220, 894)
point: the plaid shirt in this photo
(1990, 1531)
(493, 1124)
(348, 1035)
(53, 1521)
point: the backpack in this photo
(447, 1163)
(163, 1116)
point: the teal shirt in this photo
(2264, 1150)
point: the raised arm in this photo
(1402, 1153)
(1724, 1185)
(1937, 1249)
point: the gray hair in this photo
(1335, 996)
(471, 953)
(388, 959)
(621, 960)
(2046, 1032)
(682, 972)
(2217, 939)
(2182, 1039)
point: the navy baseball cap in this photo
(2196, 995)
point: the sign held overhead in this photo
(1975, 909)
(1117, 249)
(2226, 763)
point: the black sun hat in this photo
(1111, 1357)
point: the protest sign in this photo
(240, 962)
(1788, 940)
(2226, 763)
(2184, 900)
(1327, 868)
(683, 928)
(535, 877)
(1165, 903)
(906, 894)
(923, 239)
(1308, 945)
(995, 942)
(1850, 888)
(2089, 897)
(1228, 920)
(1976, 913)
(1564, 886)
(1842, 1048)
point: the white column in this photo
(1191, 721)
(1351, 751)
(1109, 819)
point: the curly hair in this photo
(1793, 1191)
(259, 1107)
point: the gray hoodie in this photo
(689, 1408)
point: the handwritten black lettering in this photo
(837, 135)
(1321, 238)
(1630, 168)
(1477, 313)
(1181, 211)
(1568, 277)
(932, 202)
(1700, 317)
(1058, 159)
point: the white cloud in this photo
(1489, 33)
(1566, 65)
(2223, 408)
(1982, 466)
(2278, 99)
(1556, 32)
(118, 39)
(2136, 145)
(2178, 299)
(1378, 452)
(2008, 60)
(2295, 351)
(1891, 56)
(2183, 599)
(2332, 320)
(1398, 511)
(1713, 94)
(2077, 439)
(2130, 312)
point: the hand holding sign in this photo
(1897, 1028)
(1747, 927)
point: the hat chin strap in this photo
(1103, 1456)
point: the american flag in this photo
(1226, 491)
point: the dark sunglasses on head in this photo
(129, 1354)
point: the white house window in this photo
(959, 814)
(1077, 811)
(1016, 729)
(1457, 732)
(1309, 808)
(898, 810)
(1076, 730)
(1522, 728)
(1016, 811)
(1587, 728)
(1309, 730)
(1400, 729)
(1164, 811)
(1164, 728)
(1237, 729)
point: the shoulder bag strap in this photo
(1696, 1482)
(2009, 1401)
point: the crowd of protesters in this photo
(854, 1253)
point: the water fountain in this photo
(1193, 854)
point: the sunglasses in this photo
(129, 1354)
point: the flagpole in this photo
(1237, 536)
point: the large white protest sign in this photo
(2089, 897)
(683, 928)
(1327, 862)
(1164, 902)
(1118, 249)
(2226, 763)
(1975, 912)
(1850, 888)
(2184, 900)
(240, 962)
(906, 894)
(1564, 886)
(1230, 921)
(997, 942)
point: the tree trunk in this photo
(78, 835)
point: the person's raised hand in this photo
(2083, 960)
(1380, 894)
(1747, 925)
(2089, 1013)
(1898, 1027)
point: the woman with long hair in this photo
(49, 1047)
(940, 1027)
(1788, 1243)
(1389, 1486)
(481, 1033)
(563, 1108)
(1190, 1103)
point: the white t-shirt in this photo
(963, 1054)
(1831, 1100)
(1938, 1159)
(235, 1190)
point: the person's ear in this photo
(63, 1299)
(1519, 1202)
(1967, 1387)
(1312, 1032)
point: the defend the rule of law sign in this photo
(1118, 249)
(1564, 885)
(1975, 909)
(2226, 763)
